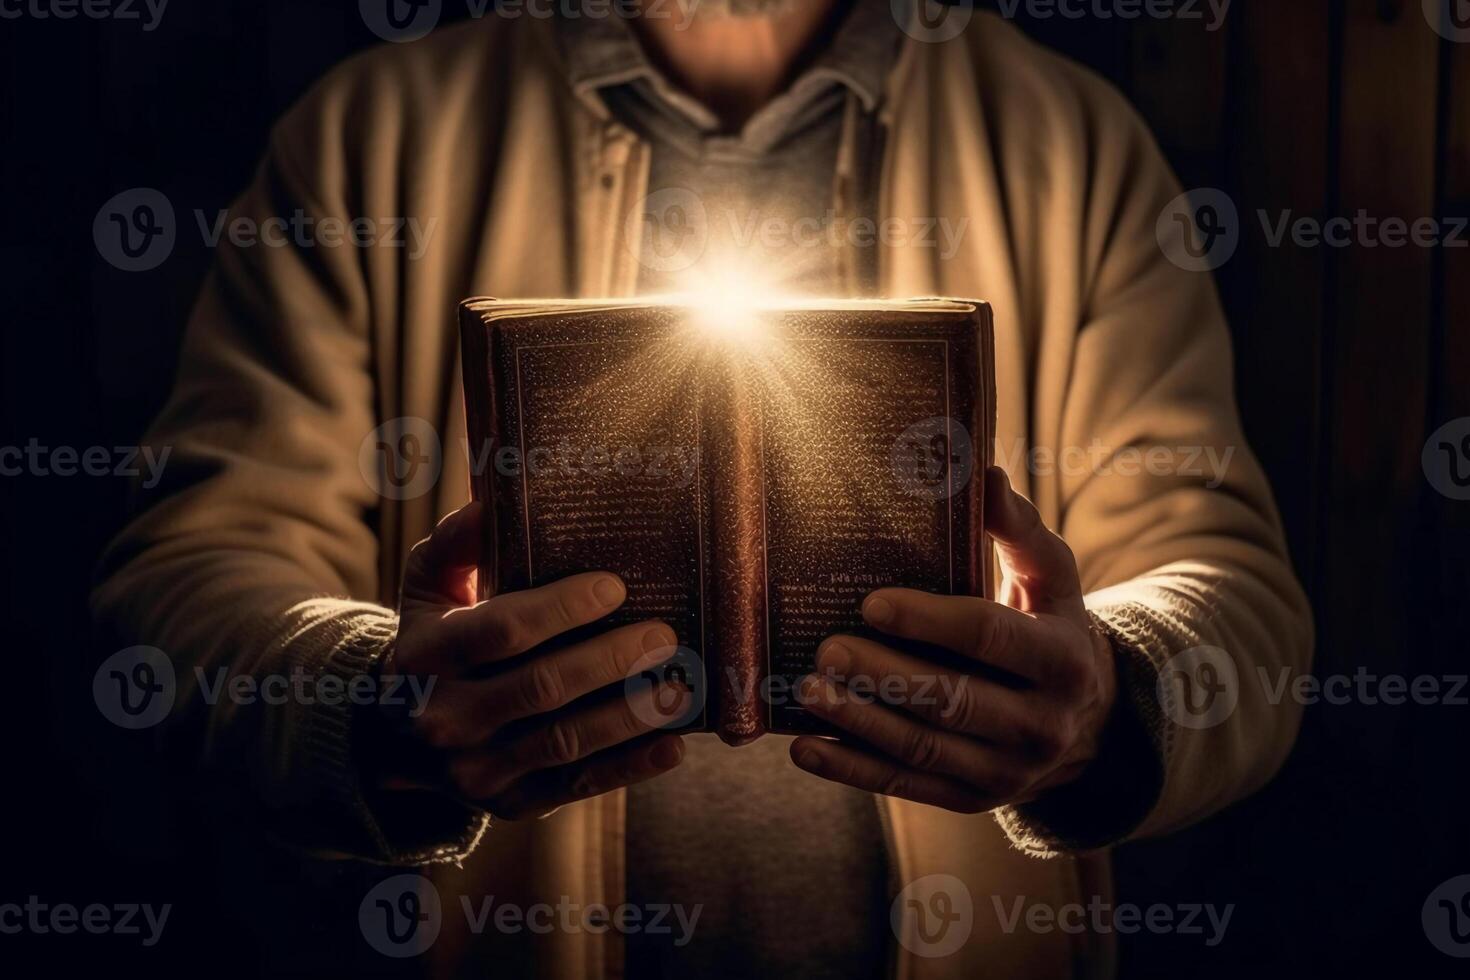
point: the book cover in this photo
(751, 472)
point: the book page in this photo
(604, 473)
(867, 467)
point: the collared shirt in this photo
(789, 872)
(764, 198)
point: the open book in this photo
(751, 473)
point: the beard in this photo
(717, 9)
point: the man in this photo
(532, 144)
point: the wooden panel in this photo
(1178, 84)
(1373, 587)
(1377, 364)
(1280, 160)
(1438, 732)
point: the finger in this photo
(913, 743)
(442, 566)
(561, 741)
(544, 682)
(843, 763)
(515, 622)
(1035, 558)
(545, 791)
(976, 628)
(951, 700)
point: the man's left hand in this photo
(1029, 715)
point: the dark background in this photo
(1347, 359)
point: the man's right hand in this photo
(503, 727)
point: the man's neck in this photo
(735, 65)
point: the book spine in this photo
(733, 439)
(481, 426)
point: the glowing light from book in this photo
(732, 305)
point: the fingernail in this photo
(658, 638)
(608, 590)
(808, 759)
(835, 658)
(667, 753)
(877, 610)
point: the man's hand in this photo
(1022, 712)
(500, 729)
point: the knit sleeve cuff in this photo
(330, 811)
(1116, 793)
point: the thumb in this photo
(443, 567)
(1034, 558)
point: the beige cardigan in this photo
(265, 548)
